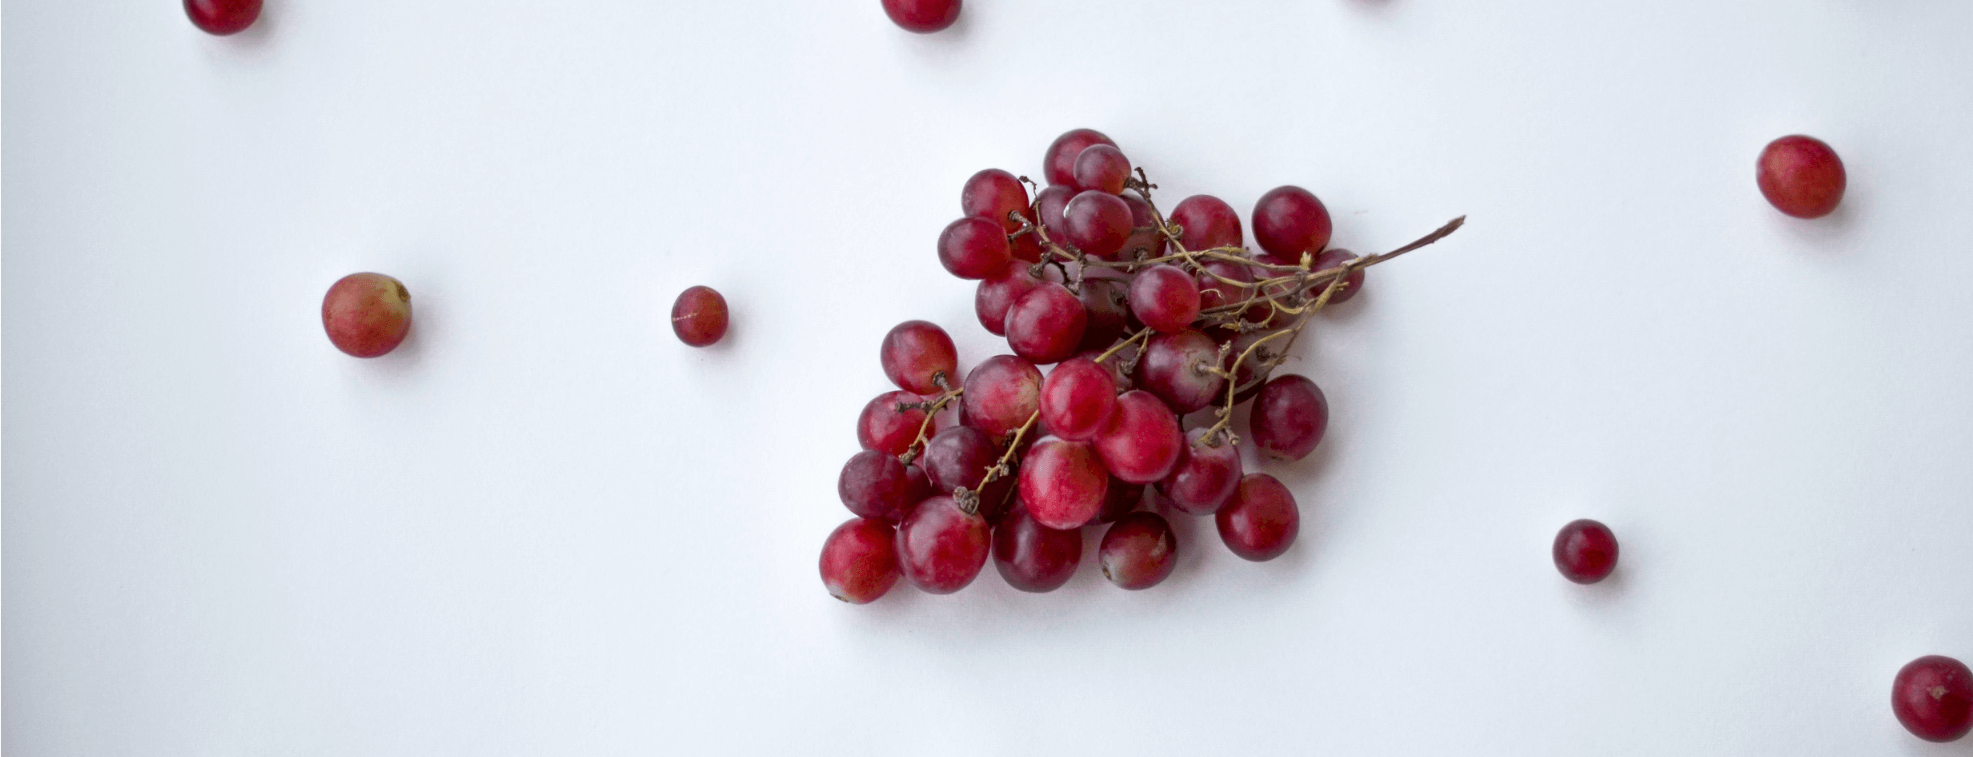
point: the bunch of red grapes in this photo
(1148, 320)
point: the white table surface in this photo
(543, 526)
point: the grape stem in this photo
(969, 499)
(932, 408)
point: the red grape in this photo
(1048, 206)
(1351, 283)
(1097, 223)
(1119, 499)
(1214, 291)
(885, 428)
(1585, 551)
(973, 248)
(1062, 483)
(999, 292)
(1289, 417)
(1142, 442)
(1933, 697)
(916, 355)
(1102, 168)
(1108, 312)
(922, 16)
(941, 548)
(1178, 368)
(368, 314)
(859, 560)
(1046, 324)
(1138, 551)
(1205, 477)
(1257, 366)
(1077, 398)
(222, 17)
(1033, 557)
(1144, 236)
(993, 194)
(1059, 163)
(957, 458)
(876, 485)
(1801, 176)
(1002, 392)
(698, 317)
(1025, 248)
(1207, 222)
(1164, 298)
(1261, 520)
(1289, 221)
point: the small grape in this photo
(698, 317)
(1933, 698)
(1102, 168)
(1046, 324)
(1289, 221)
(941, 548)
(1002, 392)
(368, 314)
(916, 355)
(1142, 442)
(1261, 521)
(1059, 163)
(1164, 298)
(1033, 557)
(1138, 551)
(922, 16)
(1097, 223)
(1801, 176)
(1208, 222)
(876, 485)
(859, 560)
(973, 248)
(222, 17)
(1585, 551)
(1289, 417)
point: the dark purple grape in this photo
(1261, 520)
(876, 485)
(1121, 497)
(1033, 557)
(1144, 239)
(1289, 417)
(958, 458)
(1108, 312)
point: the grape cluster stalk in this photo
(1147, 319)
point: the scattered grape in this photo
(1801, 176)
(1585, 551)
(222, 17)
(368, 314)
(698, 317)
(1933, 697)
(922, 16)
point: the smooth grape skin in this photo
(859, 560)
(1077, 399)
(1801, 176)
(1138, 551)
(1046, 324)
(1144, 238)
(1164, 298)
(1002, 392)
(941, 548)
(884, 428)
(1207, 222)
(922, 16)
(698, 316)
(1933, 698)
(916, 355)
(1585, 551)
(1261, 520)
(993, 194)
(973, 248)
(1048, 206)
(1205, 477)
(222, 17)
(1102, 168)
(1142, 442)
(1033, 557)
(1097, 223)
(1108, 312)
(1289, 417)
(1063, 483)
(1059, 163)
(1178, 368)
(876, 485)
(1289, 221)
(368, 314)
(957, 458)
(1351, 283)
(1000, 291)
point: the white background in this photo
(543, 526)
